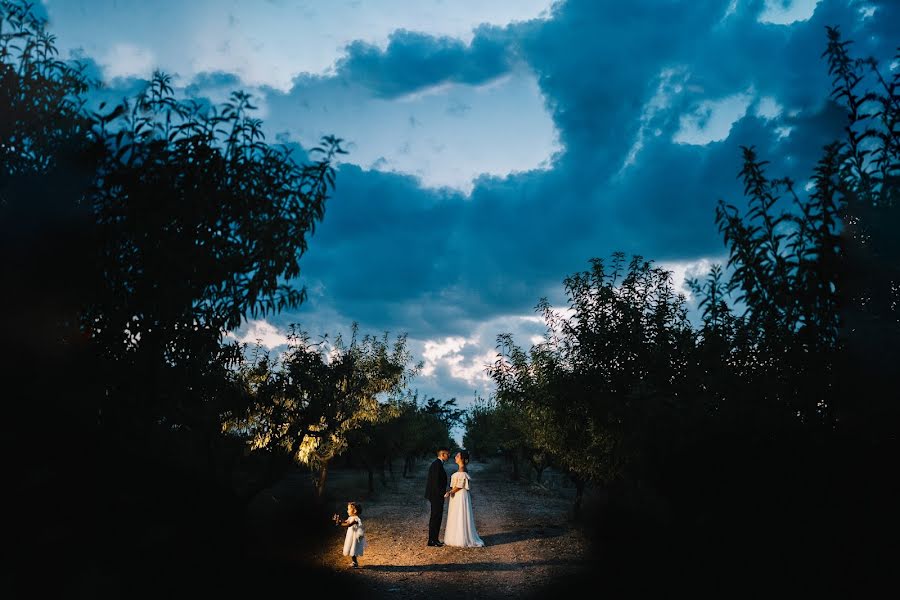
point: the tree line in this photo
(779, 409)
(135, 235)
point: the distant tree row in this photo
(319, 400)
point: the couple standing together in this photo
(460, 518)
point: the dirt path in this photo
(528, 540)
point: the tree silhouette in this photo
(134, 237)
(168, 223)
(771, 420)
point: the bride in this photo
(460, 529)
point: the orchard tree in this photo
(496, 429)
(202, 225)
(375, 443)
(818, 275)
(319, 393)
(424, 426)
(598, 395)
(147, 230)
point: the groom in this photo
(435, 488)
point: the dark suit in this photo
(435, 488)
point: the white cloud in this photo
(473, 370)
(768, 108)
(268, 43)
(260, 331)
(436, 350)
(127, 60)
(447, 353)
(463, 131)
(786, 12)
(688, 269)
(783, 131)
(711, 120)
(732, 8)
(456, 366)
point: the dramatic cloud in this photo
(266, 43)
(493, 154)
(680, 105)
(414, 61)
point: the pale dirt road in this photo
(529, 541)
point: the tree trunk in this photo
(579, 495)
(320, 482)
(370, 471)
(407, 466)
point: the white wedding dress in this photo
(460, 518)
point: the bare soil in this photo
(529, 540)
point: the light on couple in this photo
(460, 529)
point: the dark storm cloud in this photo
(432, 262)
(414, 61)
(213, 79)
(619, 79)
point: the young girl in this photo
(355, 540)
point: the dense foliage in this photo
(135, 237)
(776, 413)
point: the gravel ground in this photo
(529, 542)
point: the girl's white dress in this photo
(460, 518)
(355, 540)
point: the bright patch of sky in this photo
(711, 120)
(284, 52)
(265, 43)
(688, 269)
(435, 350)
(768, 108)
(452, 366)
(786, 12)
(783, 131)
(456, 365)
(124, 59)
(446, 137)
(260, 331)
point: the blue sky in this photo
(496, 146)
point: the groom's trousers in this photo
(437, 513)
